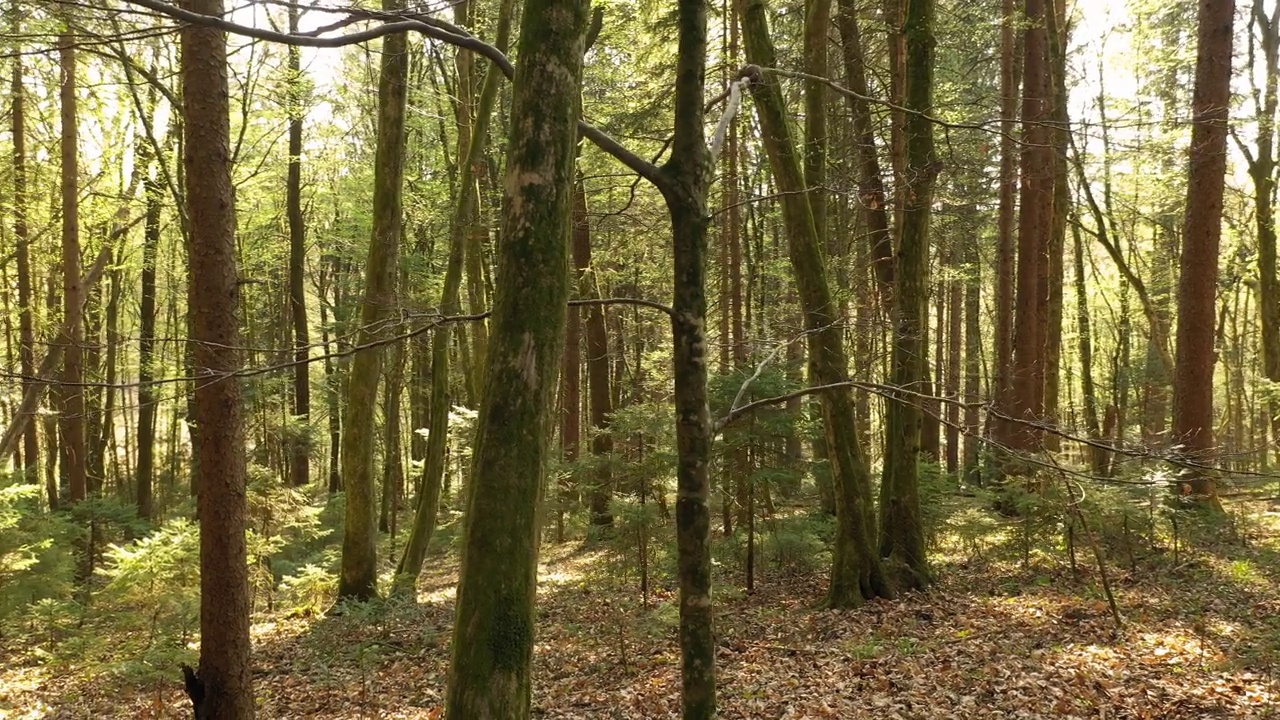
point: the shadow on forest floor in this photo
(993, 639)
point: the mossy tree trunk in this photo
(428, 506)
(490, 674)
(224, 678)
(856, 573)
(901, 527)
(359, 577)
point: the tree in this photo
(493, 636)
(222, 689)
(71, 420)
(1202, 229)
(856, 572)
(901, 527)
(26, 325)
(359, 578)
(299, 460)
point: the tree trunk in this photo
(972, 357)
(300, 438)
(490, 674)
(1262, 169)
(433, 477)
(856, 573)
(1006, 248)
(600, 486)
(26, 300)
(223, 689)
(72, 418)
(901, 527)
(147, 399)
(359, 578)
(955, 341)
(1098, 459)
(1034, 228)
(1197, 282)
(393, 464)
(871, 194)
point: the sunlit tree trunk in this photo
(72, 419)
(26, 300)
(433, 477)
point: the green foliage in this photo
(35, 561)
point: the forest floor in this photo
(992, 639)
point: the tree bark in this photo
(1197, 281)
(901, 526)
(26, 300)
(871, 194)
(224, 684)
(359, 577)
(299, 451)
(856, 572)
(72, 418)
(1034, 229)
(600, 486)
(490, 674)
(428, 506)
(1006, 246)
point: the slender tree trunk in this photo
(955, 341)
(359, 578)
(972, 357)
(224, 684)
(393, 464)
(26, 299)
(1262, 169)
(490, 675)
(856, 572)
(147, 399)
(71, 422)
(1197, 282)
(1098, 459)
(299, 451)
(871, 194)
(600, 486)
(433, 479)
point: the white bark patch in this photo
(517, 180)
(527, 361)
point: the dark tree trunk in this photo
(26, 300)
(901, 526)
(147, 399)
(600, 485)
(299, 451)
